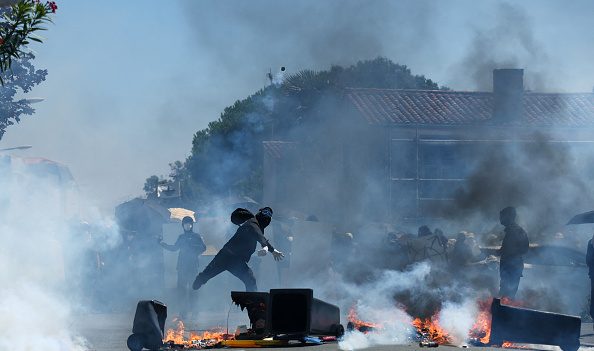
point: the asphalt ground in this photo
(108, 332)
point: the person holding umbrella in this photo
(190, 246)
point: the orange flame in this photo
(481, 330)
(359, 324)
(208, 338)
(511, 345)
(431, 328)
(176, 335)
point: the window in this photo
(404, 198)
(403, 160)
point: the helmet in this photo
(187, 219)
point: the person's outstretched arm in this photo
(173, 247)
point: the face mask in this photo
(266, 212)
(187, 227)
(263, 220)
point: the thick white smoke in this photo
(374, 302)
(38, 290)
(458, 319)
(34, 318)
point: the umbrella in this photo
(180, 213)
(586, 217)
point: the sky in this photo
(130, 82)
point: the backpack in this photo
(240, 215)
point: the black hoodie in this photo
(243, 242)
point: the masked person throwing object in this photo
(236, 253)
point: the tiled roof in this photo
(437, 107)
(277, 149)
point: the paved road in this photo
(108, 332)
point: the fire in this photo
(431, 328)
(359, 324)
(509, 302)
(481, 330)
(176, 335)
(511, 345)
(196, 340)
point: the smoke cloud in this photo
(226, 48)
(36, 301)
(510, 43)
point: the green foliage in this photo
(23, 78)
(20, 25)
(150, 186)
(227, 156)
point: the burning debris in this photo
(277, 317)
(493, 318)
(427, 331)
(356, 324)
(179, 338)
(430, 333)
(536, 327)
(481, 330)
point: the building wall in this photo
(428, 166)
(394, 175)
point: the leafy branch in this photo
(19, 26)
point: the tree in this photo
(21, 80)
(226, 157)
(18, 27)
(151, 186)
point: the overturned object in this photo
(289, 313)
(524, 325)
(256, 304)
(149, 326)
(297, 312)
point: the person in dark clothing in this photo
(590, 263)
(424, 231)
(513, 248)
(190, 246)
(236, 253)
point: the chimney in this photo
(508, 90)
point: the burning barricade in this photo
(496, 324)
(276, 318)
(282, 315)
(288, 314)
(179, 338)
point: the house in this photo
(401, 155)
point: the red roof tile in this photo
(437, 107)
